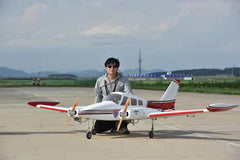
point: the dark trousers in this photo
(103, 126)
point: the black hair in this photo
(112, 61)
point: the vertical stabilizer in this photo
(171, 92)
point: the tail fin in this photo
(168, 99)
(171, 92)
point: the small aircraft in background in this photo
(122, 106)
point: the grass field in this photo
(49, 83)
(227, 85)
(223, 87)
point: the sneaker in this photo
(113, 130)
(124, 130)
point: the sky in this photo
(76, 35)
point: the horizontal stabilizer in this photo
(220, 107)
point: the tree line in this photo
(234, 71)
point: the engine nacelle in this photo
(134, 113)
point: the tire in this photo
(94, 132)
(89, 135)
(151, 135)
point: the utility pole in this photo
(140, 62)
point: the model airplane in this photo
(122, 106)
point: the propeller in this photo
(124, 111)
(73, 108)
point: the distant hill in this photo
(87, 73)
(12, 73)
(7, 72)
(44, 73)
(143, 71)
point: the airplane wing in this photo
(210, 108)
(176, 112)
(48, 105)
(54, 108)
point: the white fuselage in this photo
(109, 111)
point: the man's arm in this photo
(127, 86)
(98, 93)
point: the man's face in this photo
(112, 69)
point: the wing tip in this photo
(35, 103)
(220, 107)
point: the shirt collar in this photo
(118, 76)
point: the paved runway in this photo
(28, 133)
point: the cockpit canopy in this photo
(120, 98)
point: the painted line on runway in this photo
(230, 146)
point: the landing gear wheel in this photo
(89, 135)
(151, 135)
(94, 132)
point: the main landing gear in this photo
(151, 134)
(91, 131)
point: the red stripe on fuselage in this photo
(164, 105)
(96, 112)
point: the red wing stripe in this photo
(35, 103)
(54, 108)
(175, 113)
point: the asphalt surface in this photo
(28, 133)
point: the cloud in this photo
(60, 36)
(108, 29)
(231, 47)
(204, 9)
(33, 12)
(20, 42)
